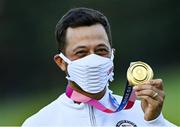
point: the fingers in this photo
(158, 83)
(148, 90)
(155, 95)
(152, 97)
(150, 100)
(151, 89)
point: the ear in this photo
(60, 62)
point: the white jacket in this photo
(63, 112)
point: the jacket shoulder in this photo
(44, 116)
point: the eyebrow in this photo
(103, 45)
(79, 47)
(83, 47)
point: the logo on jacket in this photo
(125, 123)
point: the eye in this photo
(81, 53)
(102, 51)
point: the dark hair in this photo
(79, 17)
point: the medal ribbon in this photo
(126, 103)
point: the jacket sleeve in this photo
(160, 121)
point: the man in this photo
(86, 56)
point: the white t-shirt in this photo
(63, 112)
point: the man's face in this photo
(82, 41)
(85, 40)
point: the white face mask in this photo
(91, 72)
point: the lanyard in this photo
(126, 103)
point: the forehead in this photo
(86, 36)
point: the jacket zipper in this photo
(92, 116)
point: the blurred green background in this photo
(143, 30)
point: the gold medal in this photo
(138, 73)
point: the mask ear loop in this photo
(112, 54)
(112, 73)
(64, 58)
(67, 61)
